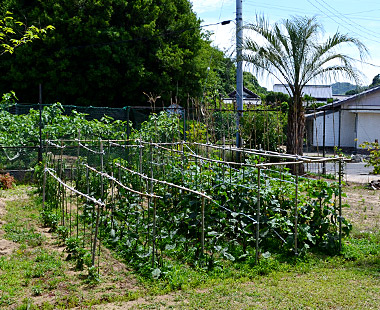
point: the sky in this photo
(360, 19)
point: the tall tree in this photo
(375, 81)
(107, 52)
(294, 53)
(14, 33)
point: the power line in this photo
(351, 23)
(146, 38)
(318, 13)
(302, 11)
(279, 7)
(355, 13)
(336, 16)
(364, 62)
(337, 21)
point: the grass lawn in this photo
(35, 274)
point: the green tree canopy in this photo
(250, 82)
(375, 81)
(276, 98)
(14, 33)
(108, 52)
(218, 70)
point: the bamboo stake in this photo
(44, 188)
(95, 237)
(258, 216)
(203, 227)
(154, 232)
(119, 183)
(101, 169)
(296, 215)
(340, 205)
(165, 183)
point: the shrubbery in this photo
(374, 155)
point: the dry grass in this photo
(364, 210)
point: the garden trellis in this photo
(154, 201)
(176, 189)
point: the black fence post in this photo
(40, 124)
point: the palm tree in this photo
(293, 53)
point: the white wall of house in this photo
(368, 127)
(360, 122)
(245, 101)
(347, 130)
(331, 129)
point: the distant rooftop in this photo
(247, 94)
(319, 92)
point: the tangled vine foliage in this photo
(154, 232)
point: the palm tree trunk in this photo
(295, 134)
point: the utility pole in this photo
(239, 69)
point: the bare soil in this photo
(364, 207)
(117, 279)
(6, 246)
(167, 301)
(363, 212)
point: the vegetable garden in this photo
(163, 193)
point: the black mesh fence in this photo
(20, 159)
(136, 115)
(260, 127)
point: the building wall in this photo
(331, 129)
(368, 127)
(347, 130)
(245, 101)
(370, 101)
(360, 117)
(368, 118)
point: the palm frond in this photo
(291, 52)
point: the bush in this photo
(6, 181)
(374, 155)
(264, 127)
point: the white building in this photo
(319, 92)
(346, 123)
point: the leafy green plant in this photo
(50, 219)
(76, 252)
(162, 127)
(374, 155)
(93, 276)
(36, 290)
(62, 232)
(196, 131)
(265, 128)
(21, 130)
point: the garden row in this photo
(157, 199)
(159, 203)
